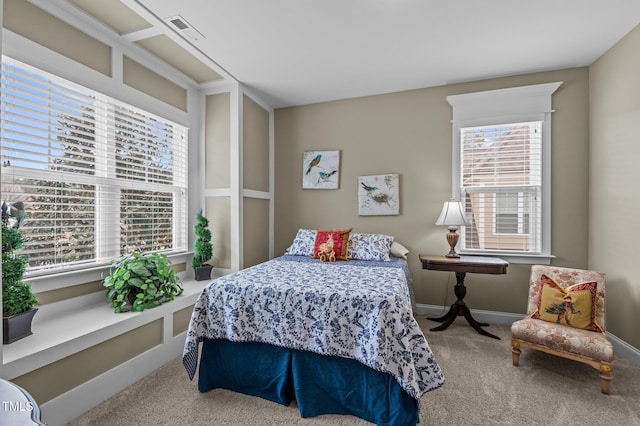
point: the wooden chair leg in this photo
(515, 351)
(605, 377)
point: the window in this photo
(501, 159)
(501, 184)
(98, 178)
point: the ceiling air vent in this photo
(184, 28)
(179, 23)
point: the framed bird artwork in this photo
(320, 169)
(379, 195)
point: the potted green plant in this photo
(202, 248)
(141, 281)
(18, 300)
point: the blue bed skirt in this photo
(319, 384)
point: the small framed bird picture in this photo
(320, 169)
(379, 195)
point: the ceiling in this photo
(295, 52)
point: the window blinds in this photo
(98, 178)
(501, 183)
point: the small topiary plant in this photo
(17, 296)
(141, 281)
(202, 248)
(18, 301)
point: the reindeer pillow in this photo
(340, 239)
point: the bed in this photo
(336, 337)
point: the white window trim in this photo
(516, 104)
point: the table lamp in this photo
(452, 216)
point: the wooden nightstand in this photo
(461, 266)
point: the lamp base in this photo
(452, 253)
(452, 239)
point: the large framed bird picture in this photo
(379, 195)
(320, 169)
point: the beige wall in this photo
(409, 133)
(614, 200)
(217, 154)
(255, 146)
(142, 78)
(255, 176)
(217, 141)
(255, 231)
(35, 24)
(218, 211)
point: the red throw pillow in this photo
(340, 242)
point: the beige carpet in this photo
(482, 388)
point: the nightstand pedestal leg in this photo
(459, 308)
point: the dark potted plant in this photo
(202, 248)
(18, 300)
(141, 281)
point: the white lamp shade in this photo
(452, 214)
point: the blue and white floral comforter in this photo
(353, 309)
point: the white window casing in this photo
(501, 171)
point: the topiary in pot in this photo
(18, 300)
(18, 310)
(141, 281)
(202, 248)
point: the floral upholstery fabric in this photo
(588, 344)
(584, 343)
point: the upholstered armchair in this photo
(566, 317)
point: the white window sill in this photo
(63, 328)
(524, 259)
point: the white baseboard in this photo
(621, 348)
(624, 350)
